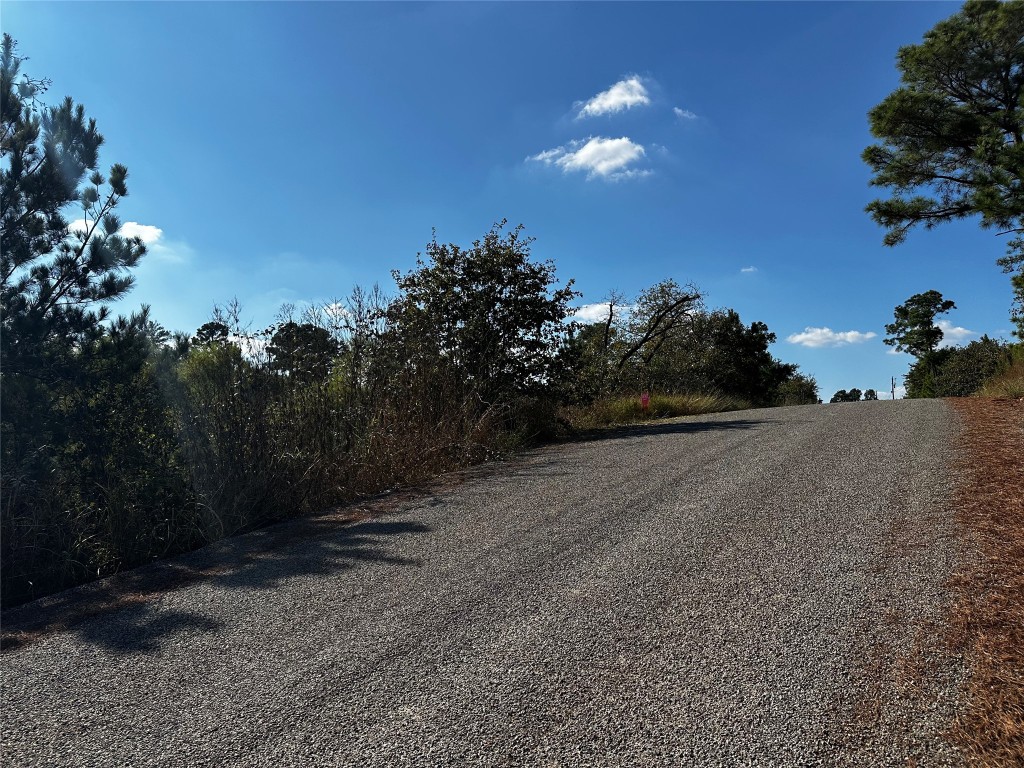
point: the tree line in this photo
(951, 146)
(122, 441)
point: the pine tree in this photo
(54, 281)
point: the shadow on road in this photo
(664, 428)
(133, 622)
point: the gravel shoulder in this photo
(752, 588)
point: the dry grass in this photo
(1009, 383)
(628, 410)
(988, 608)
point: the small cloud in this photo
(598, 313)
(252, 346)
(157, 247)
(894, 351)
(826, 337)
(337, 311)
(684, 114)
(170, 251)
(749, 270)
(953, 334)
(597, 156)
(625, 94)
(145, 232)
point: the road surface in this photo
(757, 588)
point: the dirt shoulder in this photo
(988, 606)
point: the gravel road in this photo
(759, 588)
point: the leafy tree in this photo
(211, 333)
(914, 329)
(962, 371)
(798, 390)
(658, 315)
(489, 311)
(721, 354)
(952, 135)
(870, 394)
(302, 350)
(842, 396)
(51, 278)
(628, 348)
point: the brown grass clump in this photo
(988, 607)
(628, 410)
(1009, 383)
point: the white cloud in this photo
(684, 114)
(252, 346)
(826, 337)
(953, 334)
(625, 94)
(597, 156)
(591, 313)
(598, 313)
(157, 247)
(148, 233)
(749, 269)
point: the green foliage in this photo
(53, 281)
(914, 329)
(870, 394)
(121, 442)
(959, 371)
(728, 357)
(952, 135)
(842, 396)
(798, 390)
(488, 311)
(304, 351)
(89, 475)
(1008, 381)
(666, 342)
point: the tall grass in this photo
(629, 410)
(220, 441)
(1007, 383)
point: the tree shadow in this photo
(121, 615)
(629, 431)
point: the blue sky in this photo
(285, 152)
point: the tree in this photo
(962, 371)
(842, 396)
(488, 311)
(52, 278)
(213, 332)
(798, 389)
(952, 135)
(658, 314)
(304, 351)
(870, 394)
(719, 353)
(914, 329)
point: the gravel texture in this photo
(757, 588)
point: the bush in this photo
(965, 371)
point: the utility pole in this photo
(893, 387)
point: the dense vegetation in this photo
(985, 364)
(951, 146)
(122, 442)
(951, 137)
